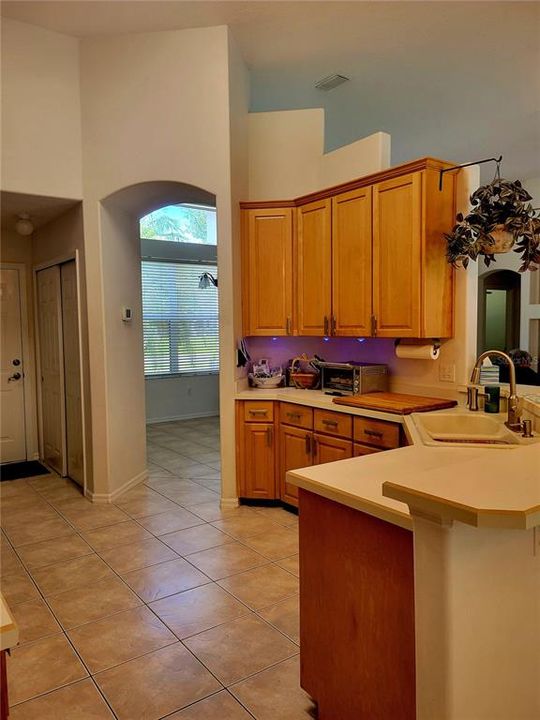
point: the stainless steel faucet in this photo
(513, 421)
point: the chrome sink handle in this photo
(513, 421)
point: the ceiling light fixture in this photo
(331, 82)
(24, 226)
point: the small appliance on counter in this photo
(353, 378)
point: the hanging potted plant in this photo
(501, 218)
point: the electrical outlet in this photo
(447, 373)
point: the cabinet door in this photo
(267, 275)
(351, 263)
(397, 241)
(259, 476)
(329, 449)
(314, 269)
(295, 452)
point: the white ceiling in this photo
(41, 209)
(456, 79)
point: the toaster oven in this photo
(353, 378)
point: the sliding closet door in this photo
(72, 372)
(51, 367)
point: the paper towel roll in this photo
(417, 352)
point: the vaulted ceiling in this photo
(458, 80)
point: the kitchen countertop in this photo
(9, 631)
(484, 487)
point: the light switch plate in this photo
(447, 373)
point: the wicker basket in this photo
(300, 376)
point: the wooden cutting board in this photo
(395, 402)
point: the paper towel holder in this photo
(436, 342)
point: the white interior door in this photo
(51, 367)
(72, 372)
(12, 419)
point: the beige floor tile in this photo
(42, 666)
(240, 648)
(225, 560)
(78, 701)
(31, 532)
(202, 608)
(87, 516)
(171, 521)
(9, 562)
(274, 544)
(278, 515)
(18, 588)
(112, 536)
(118, 638)
(291, 564)
(144, 506)
(35, 620)
(157, 684)
(71, 574)
(137, 555)
(193, 496)
(158, 581)
(261, 586)
(14, 504)
(49, 552)
(15, 487)
(276, 693)
(83, 605)
(221, 706)
(195, 539)
(285, 616)
(245, 526)
(211, 511)
(60, 490)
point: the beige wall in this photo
(127, 82)
(41, 120)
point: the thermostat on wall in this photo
(127, 314)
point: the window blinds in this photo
(180, 321)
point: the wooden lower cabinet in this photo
(328, 449)
(295, 449)
(258, 467)
(357, 641)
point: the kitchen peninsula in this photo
(441, 622)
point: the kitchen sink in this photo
(466, 429)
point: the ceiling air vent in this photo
(330, 82)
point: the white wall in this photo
(155, 107)
(41, 117)
(179, 398)
(287, 159)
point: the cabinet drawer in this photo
(333, 423)
(296, 415)
(364, 450)
(380, 433)
(258, 411)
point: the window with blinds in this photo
(180, 321)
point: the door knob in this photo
(15, 376)
(16, 362)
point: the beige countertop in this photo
(484, 487)
(9, 631)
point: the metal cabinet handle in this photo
(308, 444)
(294, 415)
(330, 423)
(314, 447)
(269, 436)
(333, 325)
(15, 376)
(325, 331)
(258, 412)
(373, 433)
(289, 326)
(374, 325)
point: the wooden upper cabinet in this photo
(314, 268)
(267, 271)
(397, 227)
(351, 263)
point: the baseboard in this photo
(104, 498)
(190, 416)
(228, 503)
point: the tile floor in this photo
(161, 605)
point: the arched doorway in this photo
(499, 300)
